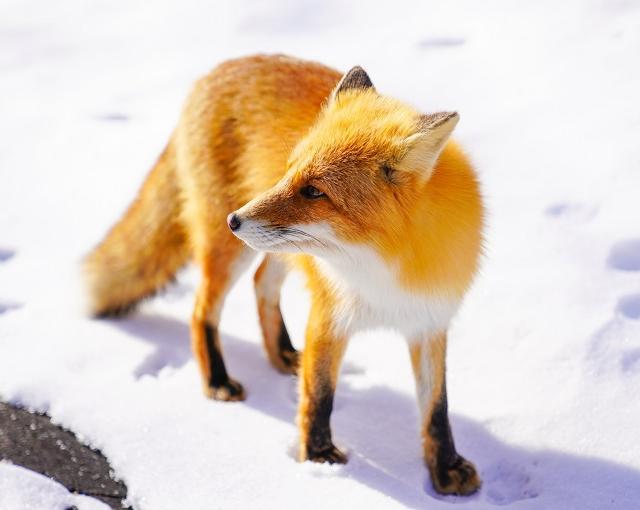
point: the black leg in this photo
(320, 447)
(450, 472)
(286, 350)
(221, 385)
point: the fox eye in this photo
(311, 192)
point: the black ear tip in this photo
(355, 78)
(434, 120)
(359, 77)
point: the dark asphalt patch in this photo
(32, 441)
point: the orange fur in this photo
(232, 142)
(439, 218)
(428, 361)
(142, 252)
(321, 360)
(257, 136)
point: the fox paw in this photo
(290, 361)
(330, 455)
(286, 361)
(228, 391)
(460, 478)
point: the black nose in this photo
(233, 221)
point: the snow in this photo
(544, 357)
(22, 489)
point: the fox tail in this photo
(144, 250)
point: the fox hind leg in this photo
(268, 281)
(220, 267)
(450, 472)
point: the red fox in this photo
(369, 197)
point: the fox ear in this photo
(356, 78)
(425, 146)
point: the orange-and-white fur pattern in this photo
(366, 195)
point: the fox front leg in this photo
(450, 472)
(268, 280)
(321, 361)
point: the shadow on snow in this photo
(378, 427)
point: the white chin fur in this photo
(308, 238)
(270, 247)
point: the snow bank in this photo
(22, 489)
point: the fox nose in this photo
(234, 222)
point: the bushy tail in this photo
(144, 250)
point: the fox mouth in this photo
(278, 238)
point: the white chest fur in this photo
(370, 297)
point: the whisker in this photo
(288, 234)
(302, 234)
(286, 239)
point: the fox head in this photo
(359, 176)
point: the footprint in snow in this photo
(571, 211)
(6, 254)
(505, 483)
(629, 306)
(625, 255)
(441, 42)
(631, 360)
(6, 306)
(112, 117)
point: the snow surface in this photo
(544, 359)
(22, 489)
